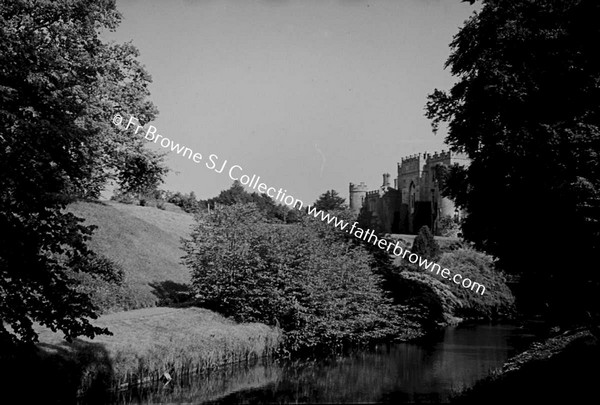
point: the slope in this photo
(145, 241)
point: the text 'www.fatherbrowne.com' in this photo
(237, 173)
(397, 250)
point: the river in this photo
(426, 371)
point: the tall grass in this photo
(211, 386)
(149, 342)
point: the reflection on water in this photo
(407, 372)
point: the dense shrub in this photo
(479, 267)
(124, 197)
(441, 300)
(186, 202)
(366, 220)
(434, 298)
(448, 226)
(236, 194)
(317, 286)
(104, 281)
(425, 244)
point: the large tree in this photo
(330, 201)
(525, 110)
(60, 86)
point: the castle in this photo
(415, 198)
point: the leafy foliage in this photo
(448, 226)
(434, 301)
(60, 86)
(498, 300)
(151, 197)
(366, 220)
(439, 300)
(329, 201)
(187, 202)
(236, 194)
(104, 282)
(525, 110)
(425, 244)
(316, 286)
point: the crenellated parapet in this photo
(357, 193)
(362, 187)
(415, 199)
(440, 157)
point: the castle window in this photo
(412, 193)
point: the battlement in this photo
(386, 180)
(426, 156)
(411, 164)
(442, 155)
(357, 193)
(410, 158)
(362, 187)
(414, 199)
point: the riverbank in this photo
(145, 344)
(424, 371)
(561, 369)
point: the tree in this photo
(366, 220)
(330, 201)
(425, 244)
(525, 110)
(236, 194)
(60, 87)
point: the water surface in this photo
(427, 371)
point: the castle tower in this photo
(386, 180)
(409, 182)
(358, 192)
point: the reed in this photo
(148, 342)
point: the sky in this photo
(310, 95)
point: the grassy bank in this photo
(562, 369)
(145, 242)
(146, 343)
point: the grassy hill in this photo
(146, 342)
(145, 241)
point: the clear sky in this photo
(308, 94)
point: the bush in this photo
(123, 197)
(104, 281)
(432, 297)
(366, 220)
(441, 300)
(448, 227)
(425, 245)
(497, 300)
(315, 285)
(186, 202)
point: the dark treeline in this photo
(524, 108)
(188, 202)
